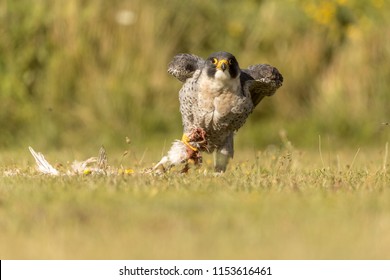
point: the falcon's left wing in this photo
(260, 80)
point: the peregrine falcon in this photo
(215, 100)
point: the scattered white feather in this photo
(176, 155)
(43, 165)
(81, 166)
(95, 165)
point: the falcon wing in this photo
(184, 65)
(260, 80)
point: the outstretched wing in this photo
(184, 65)
(260, 80)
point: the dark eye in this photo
(230, 61)
(214, 61)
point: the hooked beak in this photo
(222, 64)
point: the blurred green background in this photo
(77, 74)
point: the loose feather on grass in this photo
(43, 165)
(92, 165)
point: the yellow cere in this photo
(220, 62)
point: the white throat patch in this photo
(222, 75)
(220, 81)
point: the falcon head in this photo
(222, 66)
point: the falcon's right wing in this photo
(184, 65)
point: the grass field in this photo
(274, 204)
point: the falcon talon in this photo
(216, 98)
(186, 140)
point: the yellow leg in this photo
(186, 140)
